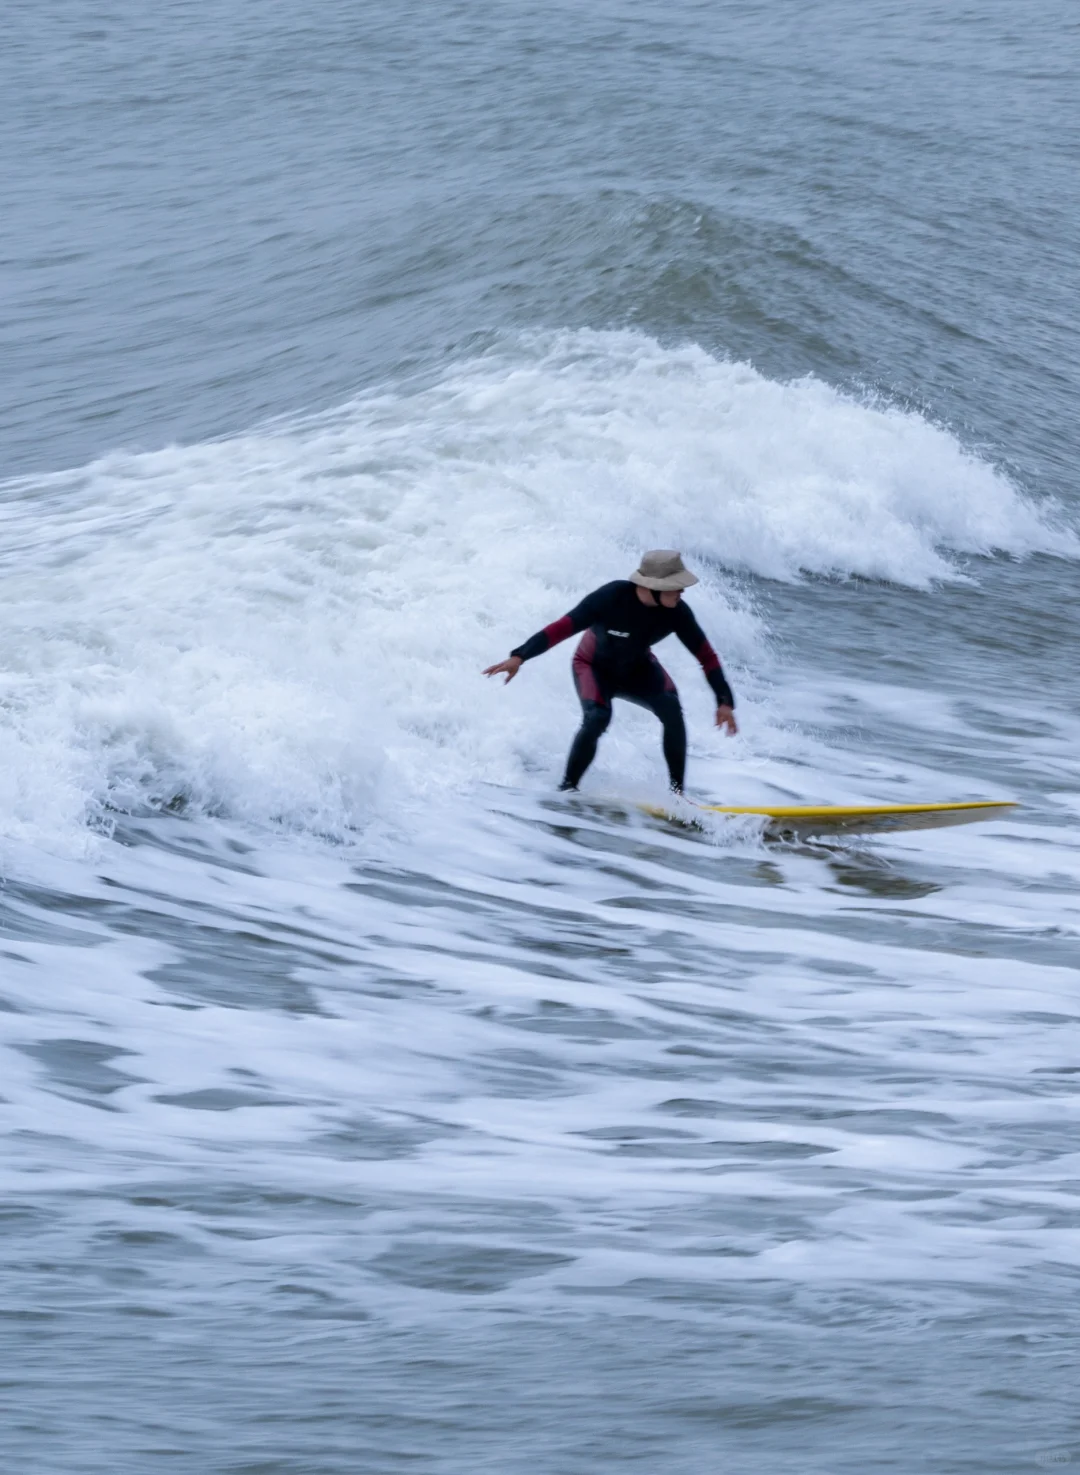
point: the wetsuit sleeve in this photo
(693, 637)
(591, 609)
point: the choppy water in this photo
(367, 1106)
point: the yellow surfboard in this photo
(797, 820)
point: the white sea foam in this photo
(502, 1042)
(287, 625)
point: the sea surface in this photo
(368, 1106)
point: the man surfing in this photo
(622, 621)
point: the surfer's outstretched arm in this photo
(591, 609)
(694, 638)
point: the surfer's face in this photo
(666, 597)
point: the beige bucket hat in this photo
(661, 569)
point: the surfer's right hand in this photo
(512, 665)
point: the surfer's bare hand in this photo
(725, 717)
(512, 665)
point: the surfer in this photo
(622, 621)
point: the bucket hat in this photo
(662, 569)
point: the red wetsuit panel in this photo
(559, 630)
(669, 685)
(708, 658)
(584, 675)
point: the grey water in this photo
(528, 1135)
(215, 215)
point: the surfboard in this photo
(804, 820)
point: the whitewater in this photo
(367, 1105)
(342, 1000)
(286, 627)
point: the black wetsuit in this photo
(615, 659)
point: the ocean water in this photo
(367, 1106)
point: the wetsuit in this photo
(615, 659)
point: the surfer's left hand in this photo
(725, 717)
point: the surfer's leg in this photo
(661, 697)
(669, 710)
(595, 708)
(594, 722)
